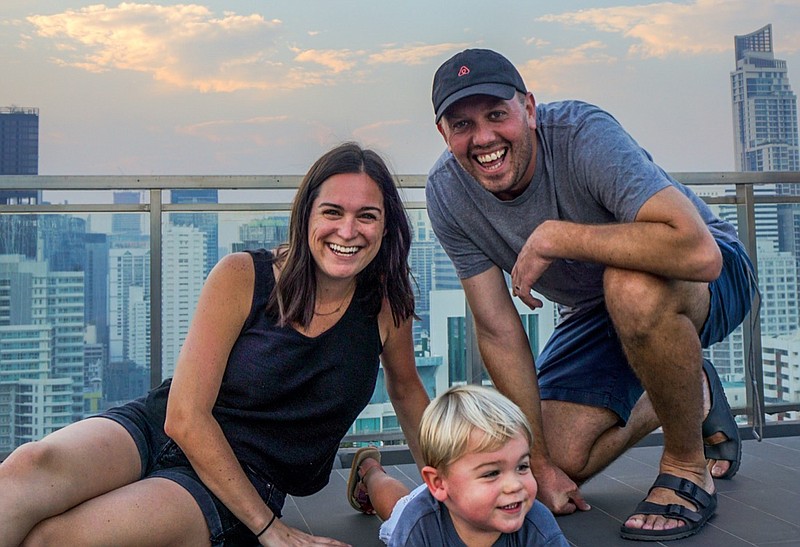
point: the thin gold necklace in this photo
(339, 307)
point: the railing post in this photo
(751, 327)
(155, 287)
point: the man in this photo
(563, 199)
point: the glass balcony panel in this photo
(75, 293)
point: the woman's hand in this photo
(280, 535)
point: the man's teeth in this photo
(341, 249)
(494, 156)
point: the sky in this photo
(258, 87)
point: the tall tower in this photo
(765, 138)
(764, 107)
(206, 222)
(19, 150)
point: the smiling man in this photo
(563, 199)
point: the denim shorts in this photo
(583, 361)
(162, 457)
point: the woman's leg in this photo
(384, 490)
(45, 478)
(150, 512)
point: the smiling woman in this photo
(281, 357)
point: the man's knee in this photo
(638, 302)
(572, 432)
(635, 300)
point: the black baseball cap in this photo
(474, 72)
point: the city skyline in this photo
(212, 87)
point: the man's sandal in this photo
(720, 420)
(705, 503)
(356, 489)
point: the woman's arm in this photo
(402, 379)
(224, 305)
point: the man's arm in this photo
(506, 353)
(668, 239)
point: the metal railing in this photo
(744, 199)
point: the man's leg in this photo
(658, 321)
(593, 405)
(584, 440)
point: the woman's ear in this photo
(435, 481)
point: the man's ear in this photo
(435, 482)
(530, 109)
(440, 127)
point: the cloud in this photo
(543, 74)
(233, 130)
(379, 134)
(413, 55)
(336, 60)
(188, 46)
(183, 45)
(690, 28)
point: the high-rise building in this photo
(264, 233)
(765, 139)
(764, 107)
(41, 349)
(183, 255)
(127, 224)
(207, 223)
(19, 150)
(129, 305)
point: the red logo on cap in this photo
(463, 71)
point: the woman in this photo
(281, 357)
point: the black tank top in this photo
(286, 400)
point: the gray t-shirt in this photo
(425, 522)
(589, 170)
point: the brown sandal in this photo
(356, 489)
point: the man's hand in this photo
(528, 269)
(558, 492)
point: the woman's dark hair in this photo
(387, 276)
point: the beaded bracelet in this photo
(258, 535)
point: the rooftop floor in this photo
(760, 506)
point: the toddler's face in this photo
(490, 492)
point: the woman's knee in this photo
(29, 459)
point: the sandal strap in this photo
(720, 418)
(671, 510)
(686, 489)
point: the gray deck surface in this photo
(760, 506)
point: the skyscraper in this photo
(764, 107)
(206, 222)
(19, 150)
(765, 139)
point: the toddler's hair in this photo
(450, 419)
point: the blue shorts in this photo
(161, 457)
(583, 361)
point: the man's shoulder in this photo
(444, 168)
(568, 112)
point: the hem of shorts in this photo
(203, 499)
(130, 427)
(602, 400)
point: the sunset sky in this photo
(264, 87)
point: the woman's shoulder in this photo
(234, 272)
(236, 263)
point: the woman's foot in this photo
(364, 461)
